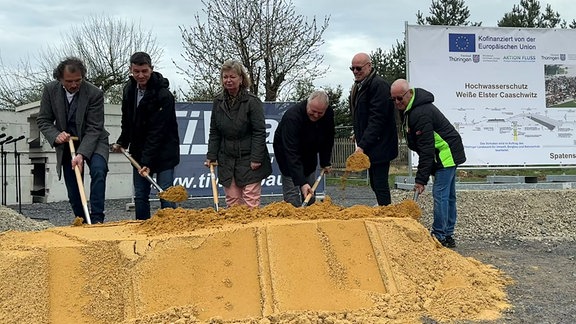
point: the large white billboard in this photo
(510, 92)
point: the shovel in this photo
(79, 181)
(214, 187)
(316, 183)
(149, 178)
(138, 167)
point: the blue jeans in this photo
(444, 193)
(292, 193)
(142, 188)
(378, 175)
(98, 171)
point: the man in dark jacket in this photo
(304, 136)
(149, 130)
(439, 148)
(73, 107)
(374, 124)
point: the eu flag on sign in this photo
(461, 43)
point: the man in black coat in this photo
(374, 124)
(304, 136)
(149, 130)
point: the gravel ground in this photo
(529, 234)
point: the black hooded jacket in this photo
(431, 135)
(150, 130)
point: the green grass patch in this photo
(569, 104)
(338, 181)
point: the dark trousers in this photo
(378, 175)
(98, 171)
(142, 188)
(292, 193)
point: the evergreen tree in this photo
(528, 14)
(447, 13)
(302, 89)
(392, 64)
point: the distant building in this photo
(38, 175)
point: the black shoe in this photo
(449, 242)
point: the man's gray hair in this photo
(320, 94)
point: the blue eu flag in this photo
(461, 43)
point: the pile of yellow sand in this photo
(174, 194)
(357, 161)
(277, 264)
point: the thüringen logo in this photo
(461, 43)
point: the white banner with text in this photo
(510, 92)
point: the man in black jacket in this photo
(374, 124)
(440, 150)
(304, 136)
(150, 130)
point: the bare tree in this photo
(103, 43)
(274, 43)
(21, 84)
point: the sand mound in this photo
(174, 194)
(357, 161)
(276, 264)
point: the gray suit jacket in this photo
(51, 120)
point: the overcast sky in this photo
(28, 26)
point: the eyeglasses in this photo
(399, 98)
(358, 68)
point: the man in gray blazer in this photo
(73, 107)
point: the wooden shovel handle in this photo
(131, 159)
(314, 186)
(79, 181)
(138, 167)
(214, 187)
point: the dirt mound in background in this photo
(276, 264)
